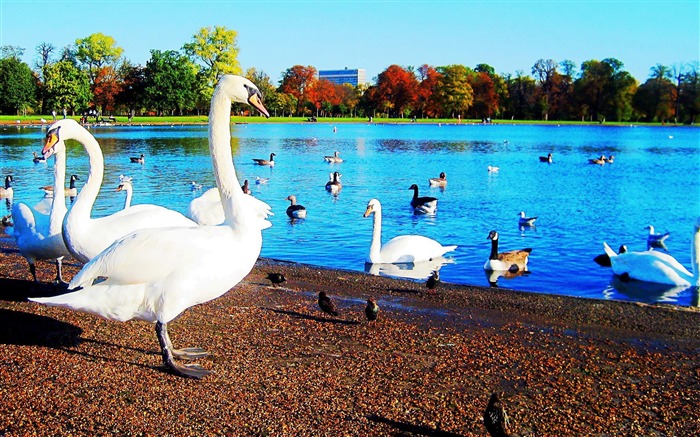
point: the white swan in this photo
(38, 233)
(401, 249)
(86, 237)
(657, 267)
(206, 210)
(155, 274)
(128, 189)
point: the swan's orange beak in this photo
(255, 101)
(51, 140)
(369, 211)
(119, 188)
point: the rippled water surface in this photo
(655, 180)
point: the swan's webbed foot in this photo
(190, 353)
(168, 353)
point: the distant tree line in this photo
(94, 74)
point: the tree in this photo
(323, 94)
(397, 91)
(43, 57)
(132, 94)
(523, 95)
(171, 82)
(485, 98)
(95, 52)
(655, 98)
(604, 90)
(455, 94)
(297, 81)
(66, 86)
(267, 89)
(217, 49)
(18, 86)
(14, 52)
(689, 93)
(544, 72)
(428, 104)
(106, 88)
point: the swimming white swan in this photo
(85, 236)
(401, 249)
(206, 210)
(155, 274)
(38, 233)
(657, 267)
(128, 189)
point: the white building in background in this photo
(353, 77)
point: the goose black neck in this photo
(494, 249)
(415, 192)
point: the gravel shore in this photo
(426, 367)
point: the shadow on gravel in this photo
(412, 429)
(17, 290)
(314, 318)
(27, 329)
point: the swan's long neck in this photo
(494, 249)
(376, 245)
(127, 199)
(58, 204)
(222, 158)
(82, 206)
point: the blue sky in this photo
(275, 35)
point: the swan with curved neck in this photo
(85, 236)
(658, 267)
(401, 249)
(39, 235)
(128, 189)
(155, 274)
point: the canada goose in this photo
(334, 185)
(514, 260)
(71, 191)
(138, 159)
(246, 188)
(270, 162)
(597, 161)
(526, 221)
(433, 280)
(294, 210)
(610, 159)
(335, 159)
(440, 181)
(38, 158)
(7, 191)
(547, 158)
(422, 205)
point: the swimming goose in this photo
(38, 234)
(85, 236)
(270, 162)
(294, 210)
(547, 158)
(656, 240)
(334, 185)
(335, 159)
(7, 191)
(657, 267)
(440, 181)
(401, 249)
(71, 191)
(526, 221)
(422, 205)
(127, 188)
(513, 261)
(38, 158)
(597, 161)
(246, 188)
(610, 159)
(138, 159)
(155, 274)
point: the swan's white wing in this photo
(651, 266)
(207, 209)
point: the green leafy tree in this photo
(689, 93)
(132, 93)
(522, 91)
(18, 86)
(66, 86)
(455, 94)
(95, 52)
(171, 82)
(604, 90)
(270, 95)
(216, 48)
(655, 98)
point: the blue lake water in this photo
(655, 180)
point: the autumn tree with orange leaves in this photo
(396, 91)
(297, 81)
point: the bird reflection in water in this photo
(416, 271)
(492, 276)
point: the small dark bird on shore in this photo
(371, 310)
(433, 280)
(495, 418)
(276, 278)
(326, 304)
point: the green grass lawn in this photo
(203, 119)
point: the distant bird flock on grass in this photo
(150, 263)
